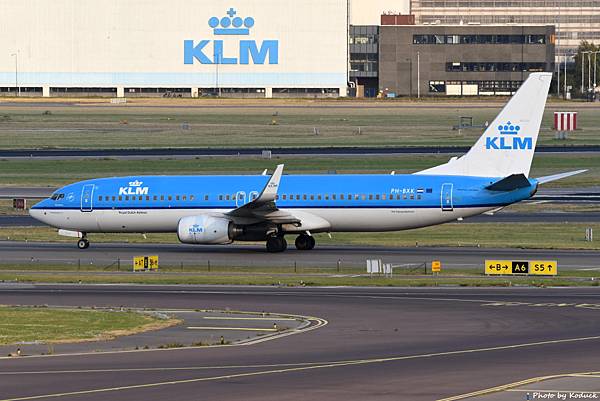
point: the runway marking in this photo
(166, 369)
(307, 368)
(230, 328)
(506, 387)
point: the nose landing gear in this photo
(83, 243)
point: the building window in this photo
(436, 39)
(437, 86)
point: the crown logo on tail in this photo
(509, 129)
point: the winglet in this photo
(270, 190)
(550, 178)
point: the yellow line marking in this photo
(246, 318)
(505, 387)
(313, 367)
(231, 328)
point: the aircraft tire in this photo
(304, 242)
(276, 244)
(83, 244)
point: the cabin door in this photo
(447, 204)
(87, 197)
(240, 199)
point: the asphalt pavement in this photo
(61, 154)
(378, 344)
(109, 254)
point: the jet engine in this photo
(205, 229)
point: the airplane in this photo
(493, 174)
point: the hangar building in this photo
(252, 48)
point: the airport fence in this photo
(124, 265)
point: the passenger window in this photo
(170, 197)
(227, 197)
(147, 198)
(141, 198)
(319, 197)
(191, 197)
(177, 197)
(100, 198)
(127, 198)
(120, 198)
(304, 196)
(418, 197)
(284, 197)
(155, 198)
(412, 196)
(404, 196)
(162, 197)
(312, 197)
(341, 196)
(114, 198)
(297, 197)
(370, 196)
(398, 197)
(220, 197)
(333, 197)
(276, 197)
(363, 197)
(326, 197)
(356, 196)
(383, 197)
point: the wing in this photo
(263, 208)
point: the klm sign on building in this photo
(243, 51)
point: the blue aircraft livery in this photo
(248, 51)
(509, 139)
(224, 209)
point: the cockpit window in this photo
(56, 197)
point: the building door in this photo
(87, 196)
(447, 205)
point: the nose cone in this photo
(37, 211)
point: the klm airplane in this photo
(223, 209)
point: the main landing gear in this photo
(83, 243)
(305, 242)
(276, 243)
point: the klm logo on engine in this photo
(134, 188)
(509, 139)
(247, 52)
(196, 229)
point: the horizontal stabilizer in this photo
(510, 183)
(550, 178)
